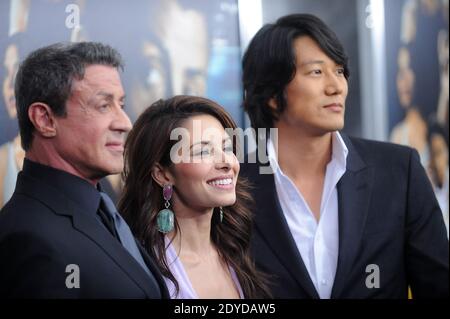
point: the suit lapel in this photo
(272, 225)
(114, 249)
(354, 192)
(154, 270)
(88, 225)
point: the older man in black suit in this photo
(60, 235)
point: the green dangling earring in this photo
(221, 213)
(165, 217)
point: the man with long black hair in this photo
(340, 217)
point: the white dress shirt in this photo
(318, 243)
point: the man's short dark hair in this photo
(46, 76)
(269, 63)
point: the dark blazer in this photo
(42, 230)
(388, 216)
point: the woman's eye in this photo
(228, 149)
(203, 152)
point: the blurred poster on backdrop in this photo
(169, 47)
(418, 85)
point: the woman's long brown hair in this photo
(149, 143)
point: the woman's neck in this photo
(194, 236)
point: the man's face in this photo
(11, 64)
(439, 152)
(405, 78)
(91, 137)
(316, 96)
(188, 55)
(154, 86)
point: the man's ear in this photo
(161, 175)
(43, 119)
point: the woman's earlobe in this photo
(155, 172)
(272, 103)
(160, 175)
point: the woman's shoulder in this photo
(185, 290)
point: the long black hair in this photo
(269, 63)
(149, 143)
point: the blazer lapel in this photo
(87, 225)
(354, 192)
(154, 270)
(114, 249)
(270, 221)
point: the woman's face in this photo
(405, 79)
(154, 86)
(208, 178)
(439, 152)
(11, 64)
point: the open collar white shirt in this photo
(317, 242)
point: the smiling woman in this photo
(205, 254)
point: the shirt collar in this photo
(339, 152)
(78, 190)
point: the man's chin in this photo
(326, 129)
(336, 126)
(115, 170)
(110, 170)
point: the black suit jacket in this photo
(388, 216)
(43, 229)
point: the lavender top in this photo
(186, 291)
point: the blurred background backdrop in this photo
(398, 49)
